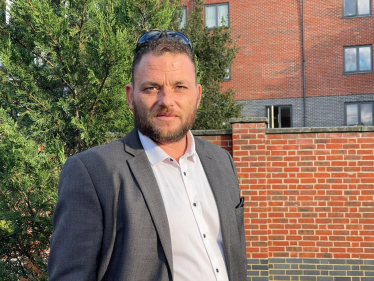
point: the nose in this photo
(165, 97)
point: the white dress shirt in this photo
(195, 230)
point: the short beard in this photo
(144, 125)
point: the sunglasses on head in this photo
(155, 34)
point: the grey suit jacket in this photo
(110, 222)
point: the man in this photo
(157, 204)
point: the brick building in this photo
(335, 85)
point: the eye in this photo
(150, 89)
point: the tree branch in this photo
(92, 110)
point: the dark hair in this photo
(160, 46)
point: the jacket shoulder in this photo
(126, 146)
(108, 150)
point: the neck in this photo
(175, 149)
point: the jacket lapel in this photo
(147, 183)
(221, 195)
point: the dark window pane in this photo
(349, 7)
(366, 114)
(285, 115)
(352, 114)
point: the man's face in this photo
(164, 96)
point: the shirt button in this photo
(204, 235)
(184, 173)
(217, 270)
(194, 204)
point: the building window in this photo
(279, 116)
(356, 8)
(216, 15)
(358, 59)
(228, 74)
(184, 17)
(359, 113)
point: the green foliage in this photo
(66, 68)
(150, 14)
(215, 51)
(28, 176)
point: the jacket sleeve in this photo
(78, 226)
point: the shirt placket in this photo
(197, 210)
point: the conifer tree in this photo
(28, 178)
(66, 65)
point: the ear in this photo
(129, 95)
(198, 88)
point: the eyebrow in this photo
(149, 83)
(152, 83)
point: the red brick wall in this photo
(308, 195)
(269, 63)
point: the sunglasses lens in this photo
(179, 35)
(154, 34)
(149, 36)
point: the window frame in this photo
(270, 124)
(358, 59)
(359, 112)
(216, 17)
(356, 8)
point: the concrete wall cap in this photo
(343, 129)
(211, 132)
(249, 120)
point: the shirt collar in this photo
(156, 154)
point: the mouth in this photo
(165, 115)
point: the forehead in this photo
(167, 62)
